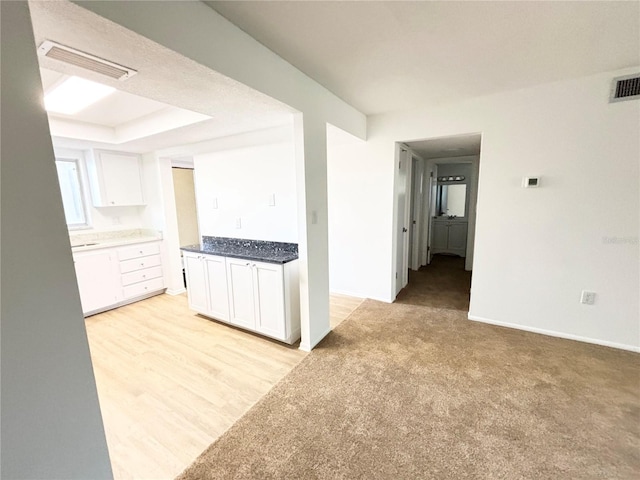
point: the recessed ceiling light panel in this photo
(85, 60)
(75, 94)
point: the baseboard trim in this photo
(175, 291)
(306, 347)
(553, 333)
(345, 293)
(365, 297)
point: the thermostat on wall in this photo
(530, 182)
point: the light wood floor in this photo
(170, 381)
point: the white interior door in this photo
(402, 239)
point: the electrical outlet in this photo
(588, 298)
(238, 222)
(272, 200)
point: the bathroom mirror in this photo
(451, 200)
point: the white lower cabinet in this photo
(449, 237)
(207, 284)
(268, 290)
(111, 277)
(257, 296)
(97, 275)
(242, 306)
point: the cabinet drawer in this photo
(142, 288)
(141, 275)
(142, 250)
(139, 263)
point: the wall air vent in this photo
(625, 88)
(84, 60)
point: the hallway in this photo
(443, 283)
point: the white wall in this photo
(239, 182)
(360, 199)
(51, 423)
(536, 249)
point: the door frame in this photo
(472, 201)
(399, 271)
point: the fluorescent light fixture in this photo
(75, 94)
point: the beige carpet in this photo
(443, 283)
(407, 392)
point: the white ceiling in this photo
(445, 147)
(116, 109)
(166, 82)
(386, 56)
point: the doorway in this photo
(436, 216)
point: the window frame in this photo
(79, 162)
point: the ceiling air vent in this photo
(84, 60)
(625, 88)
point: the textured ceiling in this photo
(163, 76)
(445, 147)
(116, 109)
(386, 56)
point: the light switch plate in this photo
(272, 200)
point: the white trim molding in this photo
(553, 333)
(175, 291)
(307, 348)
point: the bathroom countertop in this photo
(258, 250)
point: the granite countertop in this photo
(258, 250)
(92, 241)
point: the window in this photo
(72, 197)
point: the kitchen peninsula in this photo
(251, 284)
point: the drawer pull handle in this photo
(140, 252)
(142, 264)
(144, 276)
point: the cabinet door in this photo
(458, 238)
(97, 280)
(269, 293)
(121, 179)
(241, 295)
(115, 179)
(217, 287)
(440, 236)
(196, 282)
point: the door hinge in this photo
(396, 275)
(400, 165)
(431, 174)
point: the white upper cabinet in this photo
(115, 178)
